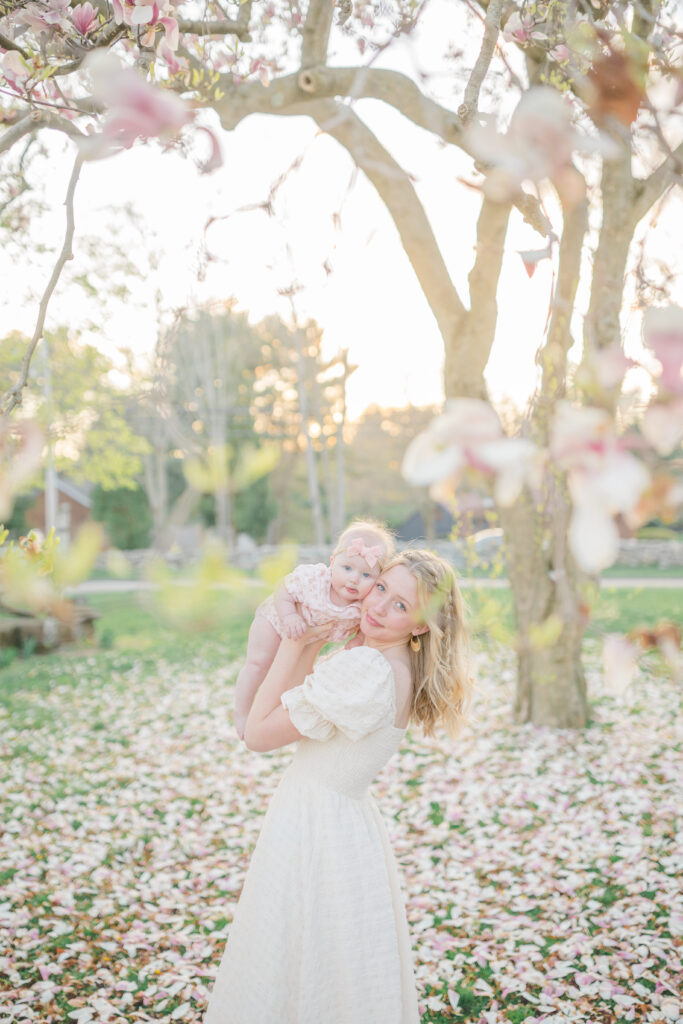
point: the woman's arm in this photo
(269, 725)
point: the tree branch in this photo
(650, 189)
(291, 94)
(35, 120)
(228, 27)
(398, 194)
(553, 356)
(467, 352)
(468, 107)
(8, 44)
(12, 398)
(316, 32)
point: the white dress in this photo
(320, 934)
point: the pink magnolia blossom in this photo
(468, 435)
(14, 70)
(21, 448)
(148, 13)
(619, 662)
(174, 64)
(560, 53)
(662, 425)
(539, 144)
(84, 17)
(46, 15)
(518, 28)
(136, 108)
(604, 368)
(663, 333)
(604, 479)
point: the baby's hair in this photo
(369, 530)
(443, 685)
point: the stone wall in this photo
(656, 554)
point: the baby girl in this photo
(313, 595)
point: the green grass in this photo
(617, 610)
(131, 629)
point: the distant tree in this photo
(201, 400)
(79, 408)
(125, 515)
(377, 444)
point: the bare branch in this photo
(292, 94)
(316, 32)
(8, 44)
(399, 196)
(469, 105)
(12, 398)
(35, 120)
(651, 189)
(228, 27)
(326, 83)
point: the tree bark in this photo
(602, 326)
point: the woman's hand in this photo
(312, 635)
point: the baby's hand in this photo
(240, 720)
(294, 626)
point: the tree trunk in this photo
(224, 524)
(311, 463)
(551, 686)
(155, 486)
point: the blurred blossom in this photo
(663, 334)
(619, 662)
(21, 447)
(604, 478)
(604, 369)
(136, 109)
(45, 16)
(14, 70)
(538, 144)
(468, 435)
(518, 28)
(662, 425)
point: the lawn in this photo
(541, 866)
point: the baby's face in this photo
(352, 577)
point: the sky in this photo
(370, 302)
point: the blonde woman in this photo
(319, 935)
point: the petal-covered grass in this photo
(542, 866)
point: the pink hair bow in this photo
(371, 555)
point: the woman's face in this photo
(390, 611)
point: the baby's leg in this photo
(262, 646)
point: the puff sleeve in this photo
(351, 692)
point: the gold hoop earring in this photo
(415, 643)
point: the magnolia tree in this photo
(596, 83)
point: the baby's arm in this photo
(293, 624)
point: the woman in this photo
(320, 934)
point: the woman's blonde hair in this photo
(442, 681)
(368, 530)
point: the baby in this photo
(313, 595)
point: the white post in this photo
(50, 473)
